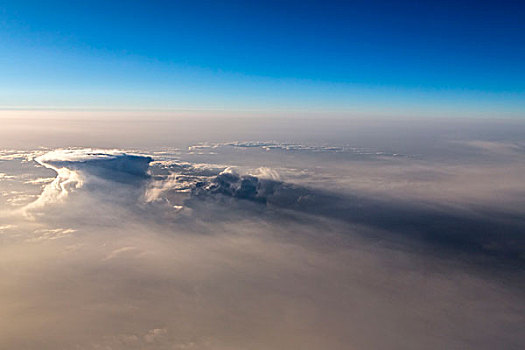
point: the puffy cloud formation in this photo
(258, 250)
(76, 166)
(128, 179)
(475, 230)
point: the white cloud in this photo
(120, 251)
(159, 266)
(75, 167)
(40, 181)
(50, 234)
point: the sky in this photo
(428, 58)
(262, 175)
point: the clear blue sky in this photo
(359, 56)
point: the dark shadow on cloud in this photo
(471, 233)
(482, 232)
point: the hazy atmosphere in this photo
(263, 175)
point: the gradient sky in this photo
(361, 57)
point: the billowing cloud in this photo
(255, 250)
(168, 187)
(74, 167)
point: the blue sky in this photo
(369, 57)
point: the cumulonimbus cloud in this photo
(183, 184)
(76, 167)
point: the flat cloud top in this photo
(102, 162)
(79, 155)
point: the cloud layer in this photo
(249, 250)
